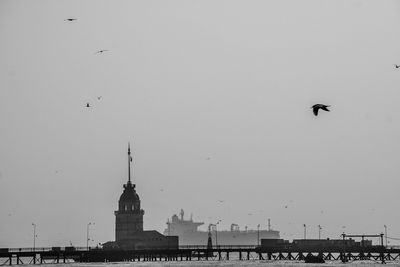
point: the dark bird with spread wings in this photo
(101, 51)
(396, 66)
(69, 19)
(87, 105)
(316, 107)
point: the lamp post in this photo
(169, 231)
(385, 234)
(216, 233)
(319, 231)
(34, 236)
(305, 231)
(210, 226)
(258, 234)
(87, 235)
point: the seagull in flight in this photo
(396, 66)
(101, 51)
(88, 105)
(316, 107)
(69, 19)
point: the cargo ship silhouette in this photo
(188, 233)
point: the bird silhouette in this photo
(316, 107)
(396, 66)
(69, 19)
(101, 51)
(88, 105)
(99, 97)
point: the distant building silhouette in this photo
(129, 233)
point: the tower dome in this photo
(129, 199)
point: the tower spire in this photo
(129, 163)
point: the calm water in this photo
(233, 263)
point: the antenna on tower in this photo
(129, 163)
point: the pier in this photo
(20, 256)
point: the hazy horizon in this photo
(214, 97)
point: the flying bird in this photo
(88, 105)
(316, 107)
(396, 66)
(101, 51)
(69, 19)
(99, 97)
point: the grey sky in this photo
(186, 80)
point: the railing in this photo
(218, 247)
(45, 249)
(188, 247)
(70, 249)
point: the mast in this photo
(129, 163)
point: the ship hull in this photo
(227, 237)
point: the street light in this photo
(319, 231)
(169, 231)
(305, 231)
(385, 234)
(216, 233)
(87, 235)
(34, 236)
(210, 227)
(258, 234)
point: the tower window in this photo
(133, 207)
(126, 207)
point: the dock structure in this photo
(190, 253)
(132, 243)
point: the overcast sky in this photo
(215, 98)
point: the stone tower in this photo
(129, 216)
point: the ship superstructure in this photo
(188, 233)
